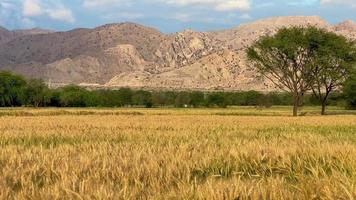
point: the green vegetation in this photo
(34, 93)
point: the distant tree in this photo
(217, 99)
(93, 99)
(162, 98)
(182, 99)
(124, 96)
(73, 96)
(109, 98)
(54, 99)
(37, 93)
(196, 99)
(141, 97)
(159, 98)
(334, 58)
(265, 101)
(12, 89)
(277, 98)
(285, 59)
(170, 97)
(254, 98)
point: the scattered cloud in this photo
(108, 3)
(61, 14)
(9, 15)
(34, 8)
(219, 5)
(198, 14)
(96, 3)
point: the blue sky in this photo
(166, 15)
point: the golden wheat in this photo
(176, 154)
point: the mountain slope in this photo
(7, 36)
(132, 55)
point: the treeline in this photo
(17, 91)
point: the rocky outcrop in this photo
(346, 28)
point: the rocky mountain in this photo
(132, 55)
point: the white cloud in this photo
(233, 5)
(33, 8)
(61, 14)
(107, 3)
(95, 3)
(220, 5)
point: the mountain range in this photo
(136, 56)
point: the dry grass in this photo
(176, 154)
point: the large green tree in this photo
(286, 60)
(335, 56)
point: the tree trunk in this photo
(323, 108)
(295, 105)
(295, 110)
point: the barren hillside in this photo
(132, 55)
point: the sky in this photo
(165, 15)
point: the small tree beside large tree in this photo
(333, 63)
(350, 90)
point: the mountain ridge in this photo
(134, 55)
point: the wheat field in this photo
(235, 153)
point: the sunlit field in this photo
(234, 153)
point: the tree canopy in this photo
(12, 88)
